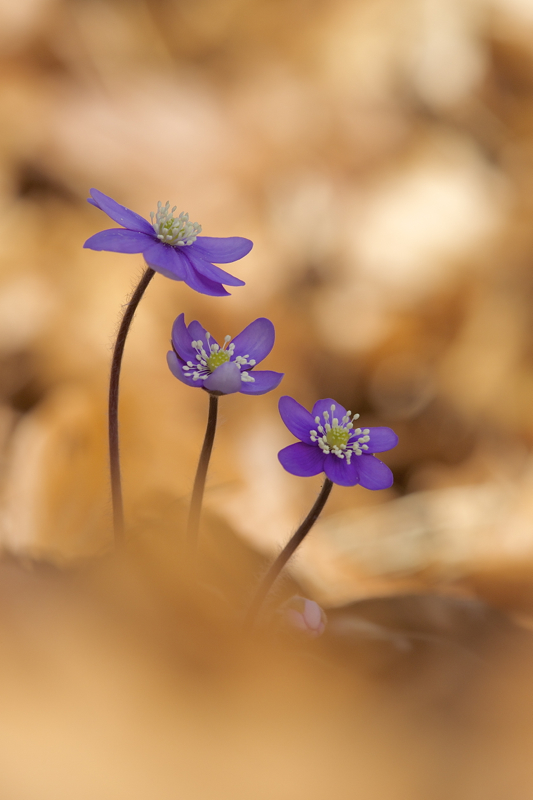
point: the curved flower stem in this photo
(286, 553)
(116, 362)
(201, 473)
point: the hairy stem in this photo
(293, 543)
(114, 379)
(201, 473)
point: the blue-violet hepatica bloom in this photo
(170, 245)
(198, 360)
(330, 443)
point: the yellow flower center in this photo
(337, 436)
(333, 438)
(217, 358)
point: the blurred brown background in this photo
(379, 153)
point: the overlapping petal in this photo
(297, 418)
(165, 260)
(226, 379)
(181, 340)
(256, 340)
(301, 459)
(124, 216)
(198, 332)
(209, 270)
(223, 250)
(264, 381)
(175, 365)
(199, 283)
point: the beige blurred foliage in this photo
(379, 153)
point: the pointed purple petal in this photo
(222, 251)
(256, 340)
(297, 418)
(339, 471)
(165, 260)
(209, 270)
(373, 473)
(195, 281)
(175, 366)
(325, 405)
(118, 240)
(197, 331)
(264, 381)
(121, 214)
(381, 439)
(301, 459)
(181, 340)
(226, 379)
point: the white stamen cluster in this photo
(173, 230)
(207, 362)
(333, 437)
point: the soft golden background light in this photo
(379, 153)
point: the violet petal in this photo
(226, 379)
(222, 251)
(198, 282)
(264, 381)
(339, 471)
(181, 340)
(381, 439)
(209, 270)
(166, 261)
(256, 340)
(297, 418)
(119, 240)
(373, 473)
(124, 216)
(175, 366)
(198, 332)
(302, 459)
(325, 405)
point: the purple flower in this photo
(198, 360)
(170, 245)
(329, 443)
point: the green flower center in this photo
(209, 356)
(333, 438)
(337, 436)
(217, 358)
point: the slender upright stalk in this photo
(116, 362)
(293, 543)
(199, 481)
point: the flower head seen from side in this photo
(171, 245)
(330, 443)
(199, 361)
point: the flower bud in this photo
(306, 616)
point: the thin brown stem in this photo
(195, 509)
(293, 543)
(114, 379)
